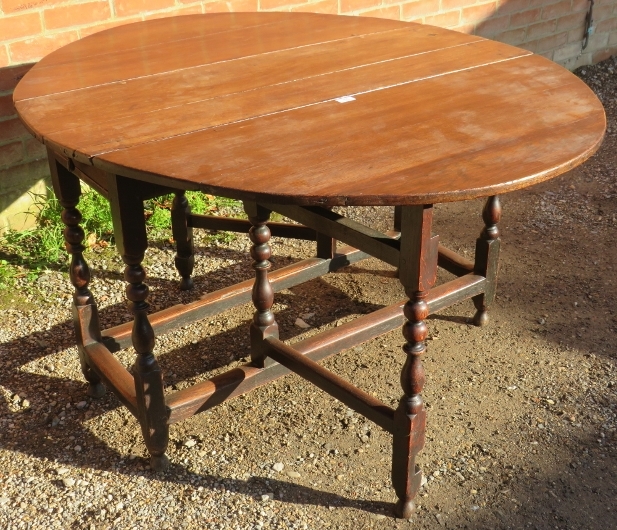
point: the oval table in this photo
(296, 113)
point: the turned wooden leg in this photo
(487, 258)
(264, 324)
(130, 232)
(183, 236)
(85, 313)
(417, 272)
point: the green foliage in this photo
(27, 253)
(7, 275)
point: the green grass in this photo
(30, 252)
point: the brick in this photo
(123, 8)
(11, 154)
(478, 13)
(37, 48)
(391, 12)
(35, 150)
(493, 26)
(567, 52)
(542, 3)
(602, 13)
(9, 77)
(514, 36)
(273, 4)
(76, 15)
(419, 8)
(11, 130)
(557, 10)
(531, 46)
(234, 6)
(345, 5)
(552, 42)
(607, 25)
(188, 10)
(6, 106)
(22, 176)
(602, 55)
(20, 26)
(4, 57)
(574, 20)
(90, 30)
(444, 20)
(15, 6)
(612, 40)
(464, 28)
(511, 6)
(597, 41)
(447, 5)
(576, 35)
(329, 7)
(580, 5)
(575, 62)
(541, 29)
(524, 18)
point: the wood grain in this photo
(244, 105)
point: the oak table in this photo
(296, 113)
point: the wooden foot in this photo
(480, 318)
(160, 463)
(487, 259)
(96, 390)
(404, 509)
(183, 236)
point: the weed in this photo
(28, 253)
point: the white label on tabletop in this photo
(345, 99)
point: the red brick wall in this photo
(30, 29)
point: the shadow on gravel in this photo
(576, 491)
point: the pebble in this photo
(62, 471)
(293, 474)
(267, 497)
(68, 482)
(81, 405)
(190, 443)
(4, 500)
(278, 467)
(301, 324)
(378, 516)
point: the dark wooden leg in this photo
(183, 236)
(487, 258)
(85, 313)
(417, 272)
(263, 324)
(326, 246)
(398, 212)
(130, 232)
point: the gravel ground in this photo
(522, 414)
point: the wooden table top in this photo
(248, 105)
